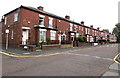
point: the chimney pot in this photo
(67, 17)
(82, 22)
(2, 19)
(91, 26)
(98, 28)
(40, 8)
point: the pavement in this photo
(112, 71)
(24, 52)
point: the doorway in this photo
(24, 37)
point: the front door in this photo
(24, 36)
(59, 37)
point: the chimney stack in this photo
(91, 26)
(82, 22)
(67, 17)
(98, 28)
(2, 19)
(40, 8)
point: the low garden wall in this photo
(66, 45)
(53, 46)
(78, 44)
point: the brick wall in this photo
(28, 18)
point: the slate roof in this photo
(47, 13)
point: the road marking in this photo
(30, 56)
(115, 59)
(96, 56)
(90, 56)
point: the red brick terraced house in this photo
(28, 25)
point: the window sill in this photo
(41, 26)
(50, 27)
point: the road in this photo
(93, 61)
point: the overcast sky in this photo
(99, 13)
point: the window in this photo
(75, 27)
(86, 31)
(87, 38)
(12, 34)
(16, 17)
(92, 32)
(42, 35)
(82, 28)
(5, 20)
(52, 35)
(41, 20)
(79, 27)
(50, 22)
(77, 34)
(71, 27)
(95, 33)
(91, 39)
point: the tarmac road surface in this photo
(93, 61)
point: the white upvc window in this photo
(75, 27)
(77, 34)
(41, 20)
(95, 33)
(71, 25)
(5, 20)
(91, 39)
(86, 31)
(15, 17)
(92, 32)
(82, 28)
(12, 33)
(50, 22)
(42, 35)
(52, 35)
(87, 38)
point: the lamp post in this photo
(7, 31)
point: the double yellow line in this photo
(30, 55)
(115, 59)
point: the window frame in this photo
(43, 20)
(86, 30)
(15, 17)
(5, 21)
(71, 27)
(50, 22)
(43, 34)
(52, 35)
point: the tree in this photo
(105, 30)
(81, 38)
(116, 31)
